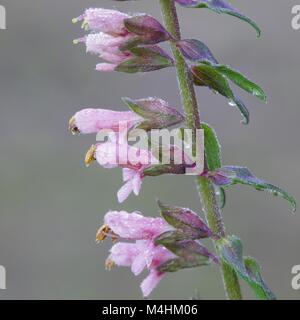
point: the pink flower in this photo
(104, 20)
(107, 47)
(93, 120)
(109, 35)
(132, 160)
(141, 254)
(114, 34)
(136, 163)
(134, 226)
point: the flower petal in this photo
(150, 282)
(125, 191)
(123, 254)
(137, 184)
(128, 174)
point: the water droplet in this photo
(232, 103)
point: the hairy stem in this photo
(189, 100)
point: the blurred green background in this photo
(51, 205)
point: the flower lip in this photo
(73, 127)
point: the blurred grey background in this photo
(51, 205)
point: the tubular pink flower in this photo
(143, 253)
(104, 20)
(91, 120)
(134, 226)
(135, 162)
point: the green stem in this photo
(189, 100)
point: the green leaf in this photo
(259, 287)
(208, 75)
(212, 148)
(219, 6)
(196, 50)
(230, 250)
(241, 81)
(230, 175)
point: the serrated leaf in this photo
(231, 252)
(230, 175)
(258, 285)
(205, 74)
(241, 81)
(212, 148)
(196, 50)
(219, 6)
